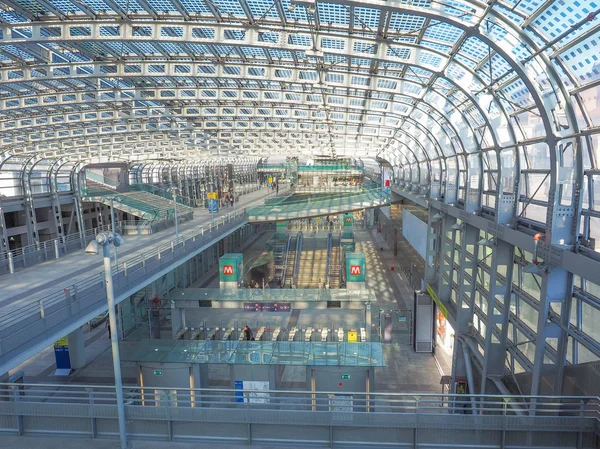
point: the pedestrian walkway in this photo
(31, 285)
(405, 370)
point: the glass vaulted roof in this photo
(411, 80)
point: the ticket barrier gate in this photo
(340, 334)
(276, 333)
(324, 333)
(308, 334)
(292, 334)
(227, 333)
(259, 334)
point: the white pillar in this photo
(77, 348)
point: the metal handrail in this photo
(84, 296)
(328, 261)
(528, 406)
(297, 257)
(287, 255)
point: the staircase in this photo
(141, 204)
(313, 264)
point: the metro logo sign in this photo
(348, 219)
(355, 270)
(228, 269)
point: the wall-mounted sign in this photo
(267, 307)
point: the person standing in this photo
(248, 334)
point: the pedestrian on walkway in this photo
(107, 325)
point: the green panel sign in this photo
(157, 372)
(230, 267)
(282, 224)
(345, 376)
(348, 219)
(355, 267)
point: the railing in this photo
(287, 255)
(329, 418)
(40, 320)
(149, 188)
(342, 264)
(297, 259)
(328, 261)
(26, 256)
(101, 179)
(301, 207)
(322, 168)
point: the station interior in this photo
(300, 223)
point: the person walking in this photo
(248, 334)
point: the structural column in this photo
(497, 317)
(465, 299)
(76, 341)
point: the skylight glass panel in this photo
(398, 52)
(195, 6)
(226, 7)
(403, 23)
(161, 5)
(284, 54)
(475, 48)
(582, 59)
(268, 37)
(360, 62)
(297, 13)
(335, 59)
(129, 5)
(263, 9)
(11, 17)
(366, 16)
(334, 13)
(442, 32)
(364, 47)
(64, 6)
(253, 51)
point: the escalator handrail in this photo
(297, 256)
(328, 262)
(287, 255)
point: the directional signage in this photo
(158, 372)
(345, 376)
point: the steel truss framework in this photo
(486, 111)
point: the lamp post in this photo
(112, 222)
(174, 192)
(104, 240)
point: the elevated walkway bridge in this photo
(56, 297)
(308, 206)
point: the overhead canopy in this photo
(413, 79)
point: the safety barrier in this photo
(44, 320)
(26, 256)
(349, 419)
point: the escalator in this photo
(334, 267)
(290, 261)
